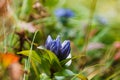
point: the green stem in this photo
(89, 27)
(28, 61)
(26, 9)
(25, 76)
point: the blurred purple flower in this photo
(102, 20)
(61, 12)
(61, 50)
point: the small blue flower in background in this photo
(62, 12)
(101, 20)
(61, 50)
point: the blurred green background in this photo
(94, 32)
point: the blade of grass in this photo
(101, 34)
(26, 9)
(113, 75)
(89, 26)
(27, 63)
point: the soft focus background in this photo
(92, 26)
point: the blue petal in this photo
(54, 47)
(64, 56)
(64, 13)
(65, 50)
(69, 13)
(61, 51)
(48, 42)
(65, 43)
(60, 12)
(58, 42)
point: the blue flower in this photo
(61, 50)
(101, 20)
(64, 13)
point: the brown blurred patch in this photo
(40, 11)
(3, 7)
(6, 26)
(15, 71)
(6, 19)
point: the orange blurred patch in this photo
(8, 59)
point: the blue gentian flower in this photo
(67, 13)
(61, 50)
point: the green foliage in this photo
(49, 3)
(26, 9)
(31, 54)
(52, 59)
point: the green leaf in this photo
(65, 72)
(43, 76)
(63, 62)
(32, 54)
(51, 58)
(82, 77)
(79, 77)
